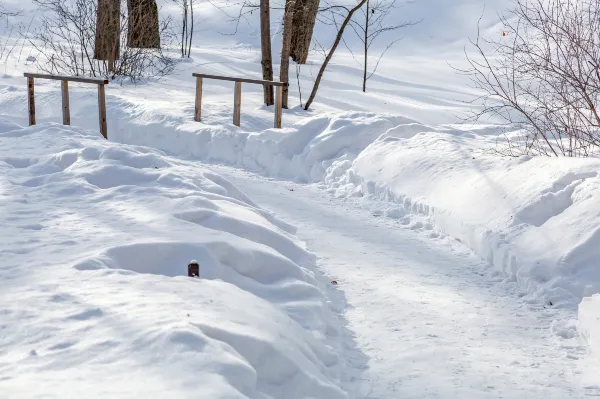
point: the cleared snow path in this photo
(429, 322)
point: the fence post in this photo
(102, 110)
(31, 102)
(65, 102)
(237, 103)
(198, 108)
(278, 106)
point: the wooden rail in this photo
(237, 95)
(65, 97)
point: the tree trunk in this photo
(305, 16)
(284, 73)
(338, 38)
(108, 31)
(265, 47)
(142, 25)
(366, 43)
(191, 27)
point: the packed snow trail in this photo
(428, 322)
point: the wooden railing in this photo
(65, 97)
(237, 95)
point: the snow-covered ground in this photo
(96, 302)
(460, 271)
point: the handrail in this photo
(237, 95)
(80, 79)
(241, 80)
(64, 83)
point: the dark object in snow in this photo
(334, 282)
(291, 189)
(193, 269)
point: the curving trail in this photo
(428, 319)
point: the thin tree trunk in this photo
(191, 27)
(366, 43)
(265, 47)
(183, 28)
(338, 38)
(284, 72)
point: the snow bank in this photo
(589, 324)
(533, 219)
(96, 300)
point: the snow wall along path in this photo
(95, 242)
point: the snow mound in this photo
(95, 244)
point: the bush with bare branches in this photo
(542, 76)
(66, 40)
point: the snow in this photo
(446, 253)
(589, 323)
(94, 285)
(430, 317)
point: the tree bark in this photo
(284, 72)
(366, 49)
(108, 30)
(338, 38)
(142, 24)
(265, 47)
(305, 16)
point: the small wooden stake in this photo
(237, 103)
(31, 101)
(65, 102)
(278, 106)
(193, 269)
(102, 110)
(198, 108)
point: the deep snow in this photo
(396, 149)
(95, 297)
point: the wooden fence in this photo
(237, 95)
(64, 80)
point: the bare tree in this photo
(286, 48)
(187, 25)
(336, 42)
(542, 76)
(265, 46)
(371, 24)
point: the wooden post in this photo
(193, 269)
(31, 101)
(65, 102)
(278, 106)
(197, 110)
(102, 110)
(237, 103)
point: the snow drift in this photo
(95, 242)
